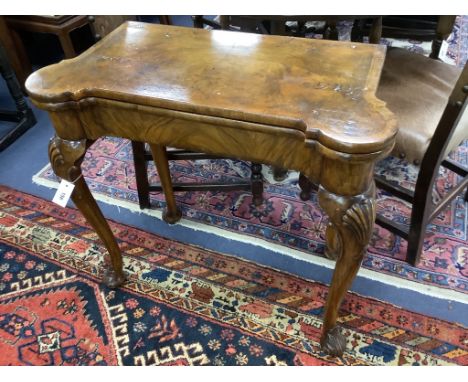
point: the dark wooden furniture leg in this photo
(197, 21)
(257, 183)
(67, 44)
(357, 33)
(224, 22)
(165, 19)
(171, 213)
(351, 223)
(375, 33)
(306, 187)
(444, 28)
(278, 27)
(141, 174)
(61, 26)
(141, 158)
(23, 114)
(331, 31)
(65, 158)
(423, 209)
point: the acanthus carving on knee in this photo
(351, 221)
(66, 156)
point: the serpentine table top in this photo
(301, 104)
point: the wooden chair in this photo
(141, 156)
(430, 127)
(429, 99)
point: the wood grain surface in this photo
(325, 89)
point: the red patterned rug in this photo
(285, 223)
(181, 305)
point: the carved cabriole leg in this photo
(349, 231)
(171, 213)
(65, 158)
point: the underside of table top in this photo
(324, 89)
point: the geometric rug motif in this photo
(283, 219)
(181, 304)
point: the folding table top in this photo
(325, 89)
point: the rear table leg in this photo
(171, 213)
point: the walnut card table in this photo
(301, 104)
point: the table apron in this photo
(339, 173)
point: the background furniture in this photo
(416, 27)
(61, 26)
(23, 115)
(14, 49)
(22, 33)
(283, 25)
(141, 157)
(102, 25)
(231, 123)
(422, 28)
(416, 88)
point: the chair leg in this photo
(331, 31)
(67, 44)
(257, 183)
(172, 213)
(375, 33)
(306, 187)
(141, 174)
(357, 34)
(420, 216)
(415, 243)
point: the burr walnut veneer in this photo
(301, 104)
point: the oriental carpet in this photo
(181, 305)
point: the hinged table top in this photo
(325, 89)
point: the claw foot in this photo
(333, 342)
(171, 218)
(112, 279)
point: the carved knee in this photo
(66, 156)
(351, 222)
